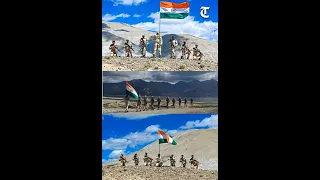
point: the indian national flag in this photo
(170, 10)
(131, 91)
(165, 138)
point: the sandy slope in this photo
(203, 144)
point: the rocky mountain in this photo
(120, 32)
(208, 88)
(202, 143)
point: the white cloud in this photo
(210, 122)
(173, 132)
(152, 129)
(135, 116)
(127, 2)
(105, 161)
(132, 139)
(115, 154)
(207, 29)
(109, 17)
(137, 15)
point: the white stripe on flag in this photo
(172, 10)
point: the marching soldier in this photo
(193, 162)
(147, 160)
(114, 49)
(168, 100)
(172, 161)
(179, 102)
(123, 160)
(157, 44)
(128, 47)
(191, 102)
(183, 161)
(152, 102)
(126, 100)
(145, 108)
(136, 159)
(173, 102)
(185, 102)
(159, 101)
(185, 51)
(143, 44)
(159, 161)
(139, 103)
(196, 52)
(173, 43)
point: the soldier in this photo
(152, 102)
(143, 44)
(145, 108)
(128, 47)
(157, 44)
(173, 102)
(113, 48)
(126, 100)
(159, 161)
(168, 100)
(183, 161)
(139, 103)
(191, 102)
(173, 43)
(185, 51)
(196, 52)
(147, 160)
(136, 159)
(185, 102)
(179, 102)
(123, 160)
(193, 162)
(172, 161)
(159, 101)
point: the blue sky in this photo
(144, 14)
(125, 133)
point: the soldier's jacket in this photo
(158, 39)
(179, 100)
(152, 100)
(122, 158)
(128, 45)
(167, 100)
(139, 101)
(158, 159)
(113, 47)
(185, 49)
(173, 100)
(159, 100)
(185, 100)
(183, 160)
(172, 159)
(143, 42)
(145, 100)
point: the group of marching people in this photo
(142, 105)
(159, 162)
(157, 46)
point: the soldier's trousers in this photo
(113, 53)
(172, 54)
(157, 46)
(138, 107)
(143, 51)
(145, 107)
(158, 106)
(152, 106)
(127, 105)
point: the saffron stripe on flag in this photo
(173, 5)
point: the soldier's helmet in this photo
(146, 153)
(196, 45)
(157, 33)
(191, 155)
(127, 40)
(158, 155)
(142, 35)
(181, 155)
(113, 41)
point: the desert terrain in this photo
(117, 105)
(203, 144)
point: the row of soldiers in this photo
(152, 100)
(159, 162)
(173, 43)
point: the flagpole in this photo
(159, 18)
(159, 146)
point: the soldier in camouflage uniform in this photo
(123, 160)
(128, 48)
(139, 104)
(113, 48)
(157, 44)
(143, 45)
(191, 102)
(172, 43)
(168, 100)
(172, 161)
(183, 161)
(136, 159)
(185, 50)
(126, 100)
(159, 161)
(179, 102)
(185, 102)
(147, 160)
(152, 102)
(159, 101)
(196, 52)
(145, 103)
(173, 102)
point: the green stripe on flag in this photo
(173, 15)
(174, 143)
(162, 141)
(134, 96)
